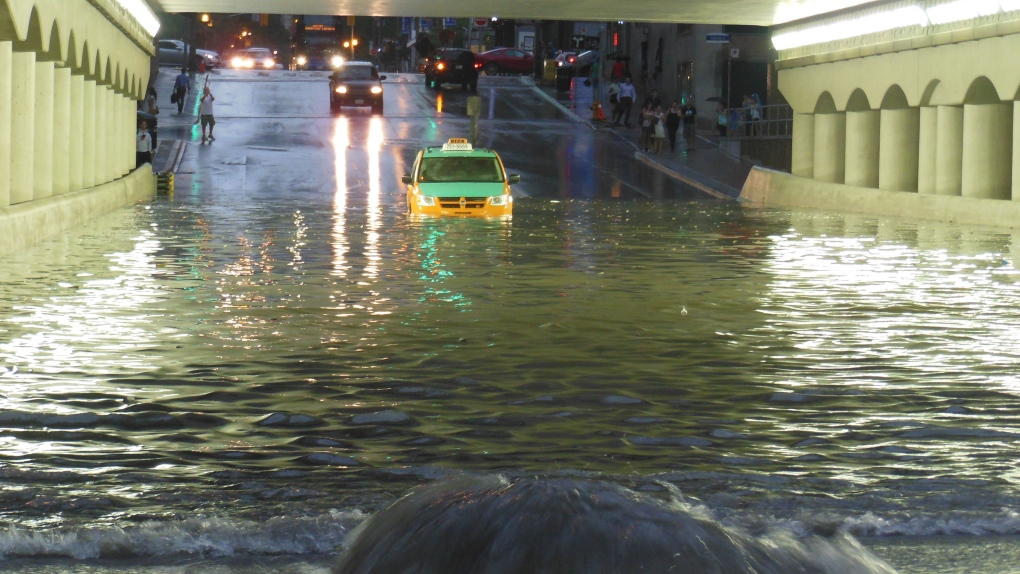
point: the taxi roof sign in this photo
(457, 144)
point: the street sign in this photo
(717, 38)
(481, 22)
(734, 52)
(449, 22)
(582, 42)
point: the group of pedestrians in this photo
(145, 144)
(656, 124)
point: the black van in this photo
(451, 66)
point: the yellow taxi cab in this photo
(459, 180)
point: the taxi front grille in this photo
(462, 202)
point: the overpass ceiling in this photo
(753, 12)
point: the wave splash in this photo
(490, 526)
(199, 536)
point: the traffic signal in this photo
(263, 19)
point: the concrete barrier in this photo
(27, 223)
(768, 188)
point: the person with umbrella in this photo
(721, 116)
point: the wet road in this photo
(247, 369)
(275, 133)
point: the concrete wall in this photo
(935, 115)
(71, 72)
(767, 188)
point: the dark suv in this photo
(452, 66)
(356, 84)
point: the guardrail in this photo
(776, 121)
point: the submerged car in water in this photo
(459, 180)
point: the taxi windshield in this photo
(451, 169)
(357, 73)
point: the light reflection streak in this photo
(341, 140)
(374, 215)
(841, 300)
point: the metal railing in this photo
(776, 121)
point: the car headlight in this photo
(341, 89)
(268, 63)
(440, 66)
(376, 89)
(236, 62)
(301, 60)
(209, 56)
(426, 201)
(500, 200)
(337, 61)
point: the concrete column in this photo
(987, 151)
(89, 117)
(898, 152)
(949, 151)
(44, 72)
(1016, 154)
(6, 52)
(61, 130)
(830, 147)
(102, 135)
(22, 126)
(927, 134)
(862, 147)
(76, 133)
(803, 161)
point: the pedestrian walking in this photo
(182, 85)
(627, 96)
(722, 119)
(648, 121)
(659, 130)
(143, 145)
(150, 101)
(653, 99)
(618, 71)
(672, 122)
(690, 115)
(205, 112)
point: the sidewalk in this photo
(172, 125)
(706, 168)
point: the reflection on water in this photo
(292, 357)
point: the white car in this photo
(249, 58)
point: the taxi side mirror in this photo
(406, 179)
(381, 78)
(515, 178)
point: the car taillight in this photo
(571, 60)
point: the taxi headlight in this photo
(376, 89)
(301, 60)
(337, 61)
(426, 201)
(237, 62)
(504, 199)
(268, 63)
(341, 89)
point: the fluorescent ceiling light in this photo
(962, 10)
(881, 22)
(141, 12)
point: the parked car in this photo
(356, 84)
(505, 61)
(452, 66)
(174, 53)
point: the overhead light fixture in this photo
(870, 24)
(962, 10)
(140, 12)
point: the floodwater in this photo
(232, 379)
(183, 383)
